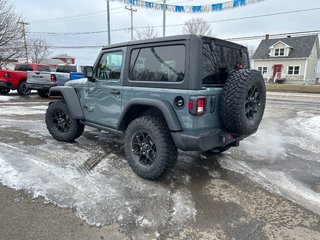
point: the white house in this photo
(288, 60)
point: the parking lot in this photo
(268, 188)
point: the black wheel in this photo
(243, 101)
(60, 124)
(43, 93)
(4, 91)
(23, 89)
(149, 147)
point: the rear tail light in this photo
(197, 105)
(6, 75)
(53, 78)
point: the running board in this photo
(104, 128)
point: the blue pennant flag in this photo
(179, 9)
(148, 4)
(196, 8)
(238, 3)
(132, 2)
(217, 7)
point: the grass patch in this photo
(293, 88)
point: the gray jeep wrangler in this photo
(188, 92)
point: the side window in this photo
(161, 64)
(110, 66)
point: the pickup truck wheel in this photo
(149, 147)
(4, 91)
(43, 93)
(60, 124)
(23, 89)
(243, 101)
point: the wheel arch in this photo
(71, 98)
(141, 106)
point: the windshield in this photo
(218, 60)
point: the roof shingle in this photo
(301, 47)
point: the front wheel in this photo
(149, 147)
(4, 91)
(60, 123)
(23, 89)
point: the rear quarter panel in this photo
(189, 123)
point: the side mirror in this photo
(88, 73)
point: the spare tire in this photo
(243, 101)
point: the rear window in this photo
(218, 61)
(66, 69)
(160, 64)
(42, 68)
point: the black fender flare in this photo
(71, 98)
(164, 106)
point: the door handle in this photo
(115, 92)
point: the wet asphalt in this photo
(268, 188)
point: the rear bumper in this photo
(5, 85)
(37, 86)
(204, 141)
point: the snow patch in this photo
(277, 182)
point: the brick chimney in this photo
(267, 36)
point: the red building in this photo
(65, 58)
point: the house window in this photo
(279, 52)
(294, 70)
(263, 70)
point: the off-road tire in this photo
(60, 123)
(43, 93)
(243, 102)
(23, 89)
(4, 91)
(162, 151)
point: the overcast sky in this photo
(59, 17)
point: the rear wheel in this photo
(23, 89)
(149, 147)
(43, 93)
(4, 91)
(60, 123)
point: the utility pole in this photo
(131, 10)
(24, 37)
(108, 22)
(164, 18)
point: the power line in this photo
(256, 37)
(182, 24)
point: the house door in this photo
(277, 69)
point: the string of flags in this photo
(191, 9)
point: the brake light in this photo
(53, 78)
(197, 105)
(6, 75)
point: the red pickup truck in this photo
(16, 79)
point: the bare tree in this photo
(38, 49)
(197, 26)
(145, 33)
(251, 49)
(11, 33)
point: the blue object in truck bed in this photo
(76, 75)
